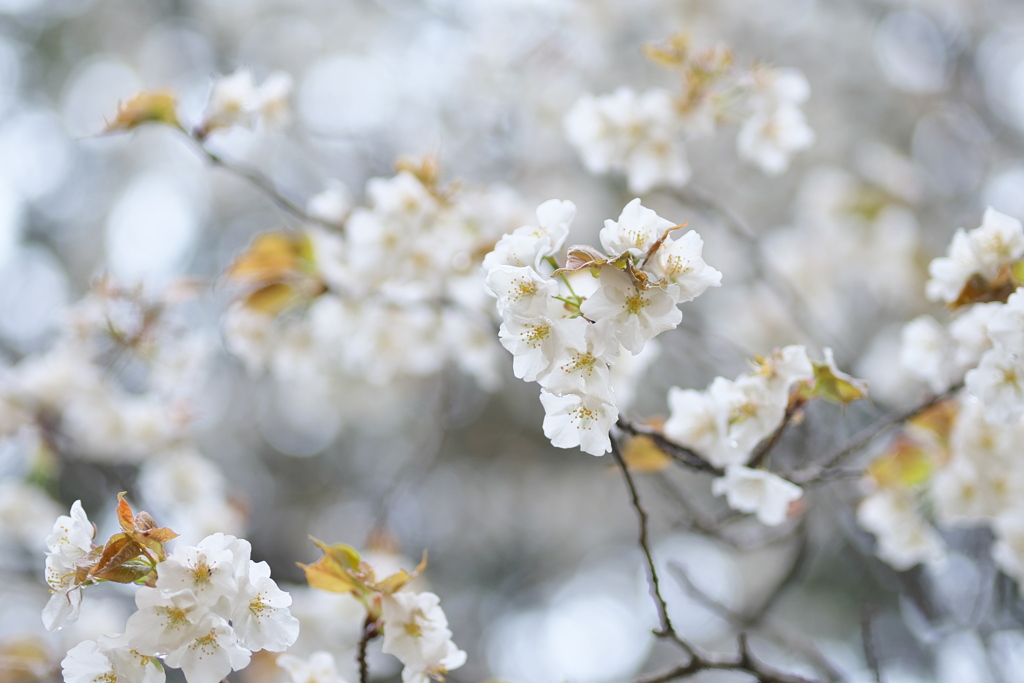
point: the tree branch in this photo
(744, 660)
(666, 629)
(829, 469)
(681, 454)
(798, 309)
(699, 660)
(369, 633)
(260, 181)
(766, 446)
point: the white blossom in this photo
(211, 652)
(272, 100)
(636, 230)
(695, 421)
(416, 631)
(757, 491)
(210, 570)
(927, 352)
(904, 537)
(998, 242)
(769, 138)
(536, 343)
(582, 364)
(319, 668)
(164, 621)
(680, 262)
(68, 542)
(528, 245)
(636, 314)
(1005, 324)
(234, 101)
(971, 331)
(999, 382)
(634, 134)
(949, 274)
(75, 530)
(109, 659)
(260, 617)
(573, 420)
(521, 291)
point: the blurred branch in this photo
(744, 660)
(868, 638)
(787, 295)
(699, 660)
(260, 181)
(758, 620)
(829, 469)
(766, 446)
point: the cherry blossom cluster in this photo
(116, 383)
(961, 456)
(234, 101)
(414, 627)
(727, 422)
(392, 293)
(979, 278)
(117, 386)
(204, 609)
(568, 340)
(851, 234)
(643, 135)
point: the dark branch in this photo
(666, 629)
(699, 661)
(744, 660)
(681, 454)
(370, 632)
(772, 441)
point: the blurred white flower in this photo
(758, 492)
(638, 135)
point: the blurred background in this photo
(918, 110)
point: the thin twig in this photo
(870, 655)
(260, 181)
(698, 660)
(681, 454)
(758, 619)
(772, 441)
(798, 309)
(828, 469)
(743, 661)
(665, 622)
